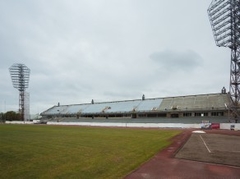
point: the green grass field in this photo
(41, 151)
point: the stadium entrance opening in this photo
(174, 115)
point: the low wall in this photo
(234, 126)
(18, 122)
(143, 125)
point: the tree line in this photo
(10, 116)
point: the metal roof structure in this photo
(202, 102)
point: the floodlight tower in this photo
(20, 78)
(224, 16)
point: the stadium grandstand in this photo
(191, 106)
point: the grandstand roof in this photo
(216, 101)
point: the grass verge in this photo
(41, 151)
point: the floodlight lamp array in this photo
(224, 16)
(20, 76)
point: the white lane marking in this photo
(205, 144)
(229, 151)
(235, 151)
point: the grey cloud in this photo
(80, 50)
(174, 60)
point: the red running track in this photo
(165, 166)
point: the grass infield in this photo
(41, 151)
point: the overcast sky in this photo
(108, 50)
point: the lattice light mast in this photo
(224, 16)
(20, 74)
